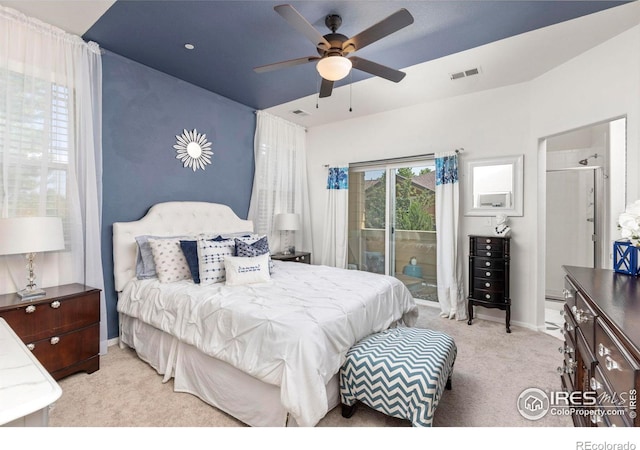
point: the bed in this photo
(266, 353)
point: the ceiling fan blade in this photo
(298, 22)
(377, 69)
(385, 27)
(284, 64)
(326, 88)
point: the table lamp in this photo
(30, 235)
(287, 222)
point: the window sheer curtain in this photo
(280, 179)
(334, 246)
(449, 267)
(50, 148)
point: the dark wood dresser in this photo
(489, 261)
(601, 362)
(62, 329)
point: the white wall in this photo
(600, 84)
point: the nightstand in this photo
(62, 329)
(301, 257)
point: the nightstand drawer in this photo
(33, 322)
(488, 263)
(60, 351)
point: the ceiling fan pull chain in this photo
(350, 90)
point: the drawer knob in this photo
(566, 294)
(488, 274)
(602, 350)
(31, 346)
(30, 309)
(55, 304)
(488, 241)
(611, 364)
(596, 418)
(488, 253)
(565, 349)
(487, 284)
(570, 327)
(488, 264)
(55, 340)
(488, 247)
(487, 296)
(595, 384)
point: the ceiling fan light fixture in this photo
(334, 68)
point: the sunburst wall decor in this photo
(193, 149)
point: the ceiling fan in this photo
(333, 48)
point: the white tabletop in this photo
(25, 386)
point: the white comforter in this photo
(293, 332)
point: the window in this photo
(34, 146)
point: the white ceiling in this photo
(510, 61)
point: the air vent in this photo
(300, 112)
(465, 73)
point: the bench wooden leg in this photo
(348, 411)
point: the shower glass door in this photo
(572, 224)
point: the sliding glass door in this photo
(392, 223)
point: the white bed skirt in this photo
(215, 382)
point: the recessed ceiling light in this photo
(189, 46)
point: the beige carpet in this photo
(492, 368)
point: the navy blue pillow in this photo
(190, 250)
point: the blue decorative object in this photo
(338, 178)
(447, 170)
(412, 271)
(626, 258)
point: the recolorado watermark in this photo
(534, 404)
(590, 445)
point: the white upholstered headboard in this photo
(169, 219)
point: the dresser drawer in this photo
(489, 284)
(585, 318)
(488, 263)
(65, 349)
(38, 321)
(488, 295)
(610, 403)
(570, 325)
(618, 367)
(569, 292)
(488, 273)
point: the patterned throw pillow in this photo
(257, 248)
(211, 256)
(254, 246)
(145, 267)
(247, 270)
(170, 263)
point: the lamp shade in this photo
(30, 235)
(333, 68)
(287, 222)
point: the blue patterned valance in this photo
(447, 170)
(338, 178)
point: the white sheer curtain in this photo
(334, 245)
(280, 179)
(449, 264)
(50, 148)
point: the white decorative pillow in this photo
(247, 270)
(171, 265)
(211, 255)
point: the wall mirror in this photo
(494, 186)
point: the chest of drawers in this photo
(62, 329)
(602, 345)
(489, 261)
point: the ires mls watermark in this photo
(534, 404)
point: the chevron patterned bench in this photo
(400, 372)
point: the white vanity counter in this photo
(26, 388)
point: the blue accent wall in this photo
(143, 111)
